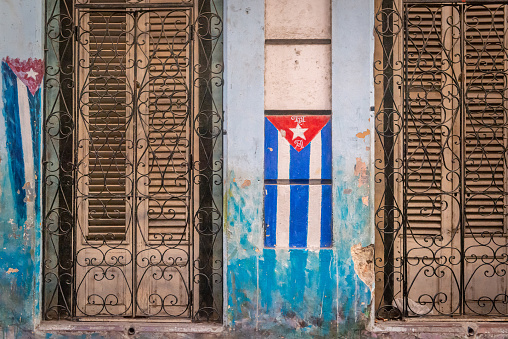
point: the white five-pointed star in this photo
(32, 74)
(298, 132)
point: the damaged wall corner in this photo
(363, 259)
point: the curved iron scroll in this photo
(133, 160)
(441, 77)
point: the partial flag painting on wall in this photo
(21, 92)
(298, 193)
(298, 147)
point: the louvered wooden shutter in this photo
(485, 65)
(433, 127)
(168, 127)
(104, 124)
(423, 114)
(162, 123)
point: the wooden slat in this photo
(485, 56)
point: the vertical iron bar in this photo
(72, 55)
(388, 293)
(462, 140)
(190, 206)
(135, 167)
(205, 170)
(43, 204)
(405, 110)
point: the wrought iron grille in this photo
(441, 78)
(133, 160)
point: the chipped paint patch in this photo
(347, 191)
(362, 135)
(365, 200)
(29, 192)
(246, 183)
(361, 172)
(12, 270)
(363, 259)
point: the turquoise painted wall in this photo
(20, 37)
(286, 292)
(298, 292)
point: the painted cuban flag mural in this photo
(21, 96)
(298, 193)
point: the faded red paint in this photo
(299, 130)
(30, 71)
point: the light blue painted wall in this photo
(353, 95)
(20, 37)
(305, 292)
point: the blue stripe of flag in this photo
(34, 102)
(271, 150)
(13, 136)
(326, 216)
(326, 151)
(299, 163)
(298, 215)
(270, 215)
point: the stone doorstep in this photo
(457, 328)
(129, 327)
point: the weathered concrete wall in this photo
(300, 292)
(20, 37)
(278, 292)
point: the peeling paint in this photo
(29, 192)
(246, 183)
(363, 259)
(365, 200)
(12, 270)
(347, 191)
(362, 135)
(361, 172)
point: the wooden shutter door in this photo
(431, 114)
(456, 134)
(135, 168)
(104, 174)
(163, 225)
(485, 159)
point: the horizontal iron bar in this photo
(465, 2)
(298, 181)
(135, 6)
(298, 41)
(297, 112)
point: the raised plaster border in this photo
(139, 325)
(442, 327)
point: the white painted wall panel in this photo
(298, 19)
(298, 77)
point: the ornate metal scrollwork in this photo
(133, 160)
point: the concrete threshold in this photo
(127, 326)
(461, 328)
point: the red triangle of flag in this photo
(299, 130)
(30, 71)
